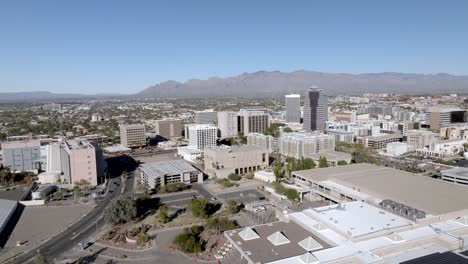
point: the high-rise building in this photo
(206, 117)
(293, 108)
(22, 155)
(315, 110)
(227, 123)
(132, 135)
(201, 136)
(169, 128)
(253, 120)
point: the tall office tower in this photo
(132, 136)
(293, 108)
(206, 117)
(202, 136)
(169, 128)
(253, 120)
(227, 123)
(315, 110)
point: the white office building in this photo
(202, 136)
(305, 144)
(227, 123)
(293, 108)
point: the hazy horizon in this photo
(90, 47)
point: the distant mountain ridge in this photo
(43, 96)
(276, 83)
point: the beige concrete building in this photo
(379, 142)
(304, 144)
(224, 160)
(264, 141)
(132, 135)
(84, 161)
(253, 121)
(169, 128)
(418, 139)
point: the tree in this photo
(121, 210)
(232, 207)
(242, 138)
(189, 240)
(142, 239)
(163, 214)
(234, 177)
(323, 162)
(220, 224)
(199, 208)
(278, 168)
(342, 162)
(291, 194)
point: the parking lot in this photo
(245, 196)
(12, 193)
(37, 224)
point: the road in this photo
(82, 229)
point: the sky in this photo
(115, 46)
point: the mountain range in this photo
(276, 83)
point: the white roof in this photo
(248, 234)
(342, 217)
(117, 148)
(278, 238)
(310, 244)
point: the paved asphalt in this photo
(82, 229)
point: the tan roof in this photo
(433, 196)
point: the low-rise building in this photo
(189, 154)
(304, 144)
(22, 155)
(161, 173)
(222, 161)
(444, 148)
(379, 142)
(396, 149)
(265, 176)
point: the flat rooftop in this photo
(171, 167)
(343, 218)
(456, 172)
(385, 137)
(332, 155)
(21, 144)
(78, 144)
(433, 196)
(260, 248)
(236, 149)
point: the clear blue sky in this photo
(117, 46)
